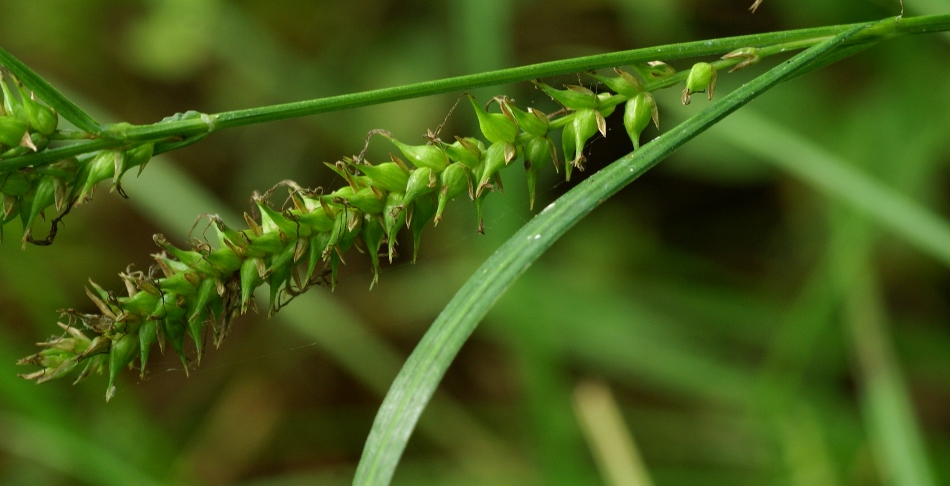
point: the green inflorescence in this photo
(28, 126)
(301, 243)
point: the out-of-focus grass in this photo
(709, 295)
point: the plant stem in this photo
(770, 43)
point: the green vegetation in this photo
(634, 321)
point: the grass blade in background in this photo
(424, 369)
(888, 412)
(610, 441)
(915, 224)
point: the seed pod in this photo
(95, 170)
(12, 106)
(64, 173)
(421, 181)
(749, 56)
(533, 122)
(497, 127)
(15, 183)
(654, 70)
(624, 83)
(42, 118)
(173, 329)
(393, 218)
(538, 153)
(252, 274)
(387, 176)
(148, 335)
(120, 355)
(43, 197)
(423, 209)
(496, 157)
(637, 115)
(12, 130)
(373, 234)
(586, 123)
(135, 157)
(430, 156)
(701, 77)
(454, 180)
(279, 276)
(466, 151)
(574, 98)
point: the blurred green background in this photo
(752, 327)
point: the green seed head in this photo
(42, 118)
(12, 106)
(654, 70)
(574, 98)
(497, 127)
(387, 176)
(454, 180)
(702, 77)
(624, 83)
(533, 122)
(466, 151)
(12, 130)
(538, 154)
(637, 115)
(429, 156)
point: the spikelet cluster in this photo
(27, 125)
(196, 291)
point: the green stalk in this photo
(422, 372)
(771, 43)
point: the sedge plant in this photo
(295, 237)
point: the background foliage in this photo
(742, 317)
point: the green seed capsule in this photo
(429, 156)
(12, 106)
(12, 130)
(252, 271)
(95, 170)
(749, 56)
(373, 234)
(574, 98)
(637, 115)
(701, 77)
(538, 153)
(14, 183)
(120, 355)
(174, 331)
(496, 158)
(586, 123)
(148, 335)
(654, 70)
(466, 151)
(423, 209)
(393, 218)
(42, 118)
(387, 176)
(497, 127)
(454, 180)
(533, 122)
(43, 197)
(422, 181)
(624, 83)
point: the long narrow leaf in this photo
(50, 95)
(422, 372)
(824, 171)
